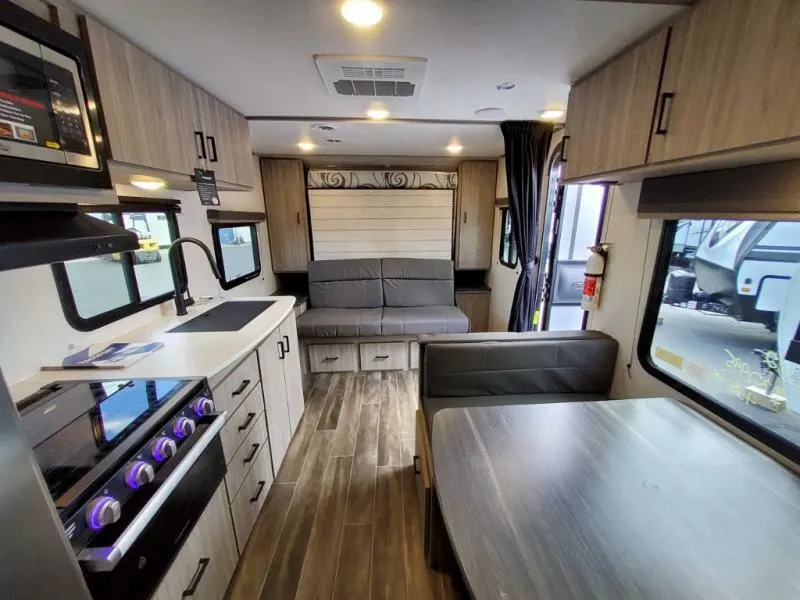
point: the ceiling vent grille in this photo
(372, 76)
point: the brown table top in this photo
(638, 499)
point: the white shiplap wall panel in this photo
(381, 223)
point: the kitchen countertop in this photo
(184, 354)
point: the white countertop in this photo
(183, 354)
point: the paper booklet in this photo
(107, 356)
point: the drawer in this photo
(250, 497)
(243, 459)
(241, 422)
(230, 393)
(205, 563)
(384, 357)
(333, 357)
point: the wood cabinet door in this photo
(241, 150)
(292, 373)
(477, 183)
(610, 113)
(214, 121)
(733, 69)
(178, 100)
(287, 215)
(275, 404)
(475, 304)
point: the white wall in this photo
(33, 329)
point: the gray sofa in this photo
(380, 297)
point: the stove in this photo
(130, 466)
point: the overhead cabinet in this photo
(157, 119)
(477, 186)
(287, 214)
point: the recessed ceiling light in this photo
(306, 146)
(377, 113)
(150, 185)
(551, 114)
(505, 86)
(455, 147)
(362, 13)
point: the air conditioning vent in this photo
(372, 76)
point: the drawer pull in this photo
(258, 493)
(201, 144)
(242, 387)
(564, 148)
(247, 421)
(202, 565)
(281, 351)
(330, 359)
(416, 466)
(286, 339)
(381, 357)
(252, 454)
(664, 113)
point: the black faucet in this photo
(177, 280)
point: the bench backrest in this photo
(348, 283)
(418, 282)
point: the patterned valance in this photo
(393, 180)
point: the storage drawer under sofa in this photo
(383, 357)
(326, 358)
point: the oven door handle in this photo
(106, 558)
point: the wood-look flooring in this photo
(341, 521)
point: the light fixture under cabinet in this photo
(150, 185)
(455, 147)
(306, 146)
(552, 114)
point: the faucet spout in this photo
(172, 254)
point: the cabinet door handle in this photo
(202, 565)
(212, 143)
(297, 217)
(330, 359)
(281, 351)
(564, 148)
(200, 144)
(252, 454)
(381, 356)
(247, 421)
(286, 339)
(261, 485)
(465, 218)
(664, 111)
(417, 470)
(242, 387)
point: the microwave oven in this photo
(49, 126)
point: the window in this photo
(236, 247)
(508, 247)
(99, 290)
(721, 324)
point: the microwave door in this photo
(27, 129)
(70, 109)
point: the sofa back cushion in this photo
(349, 283)
(418, 282)
(544, 363)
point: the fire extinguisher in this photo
(593, 277)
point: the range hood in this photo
(34, 233)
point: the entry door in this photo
(573, 221)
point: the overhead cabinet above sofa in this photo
(157, 119)
(718, 87)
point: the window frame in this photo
(646, 335)
(505, 214)
(64, 287)
(215, 229)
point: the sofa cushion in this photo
(431, 406)
(339, 322)
(418, 282)
(350, 283)
(423, 319)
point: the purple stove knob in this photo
(163, 448)
(103, 511)
(138, 474)
(203, 406)
(183, 427)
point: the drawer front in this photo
(384, 357)
(250, 498)
(243, 460)
(205, 564)
(333, 357)
(241, 423)
(229, 394)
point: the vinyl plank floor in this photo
(407, 394)
(390, 427)
(353, 580)
(340, 386)
(388, 545)
(372, 388)
(345, 442)
(361, 497)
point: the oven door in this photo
(129, 564)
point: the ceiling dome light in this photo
(552, 114)
(362, 13)
(455, 147)
(306, 146)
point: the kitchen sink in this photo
(228, 316)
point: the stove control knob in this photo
(138, 474)
(183, 427)
(203, 406)
(103, 511)
(163, 448)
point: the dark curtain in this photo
(527, 144)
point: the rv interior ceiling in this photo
(391, 300)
